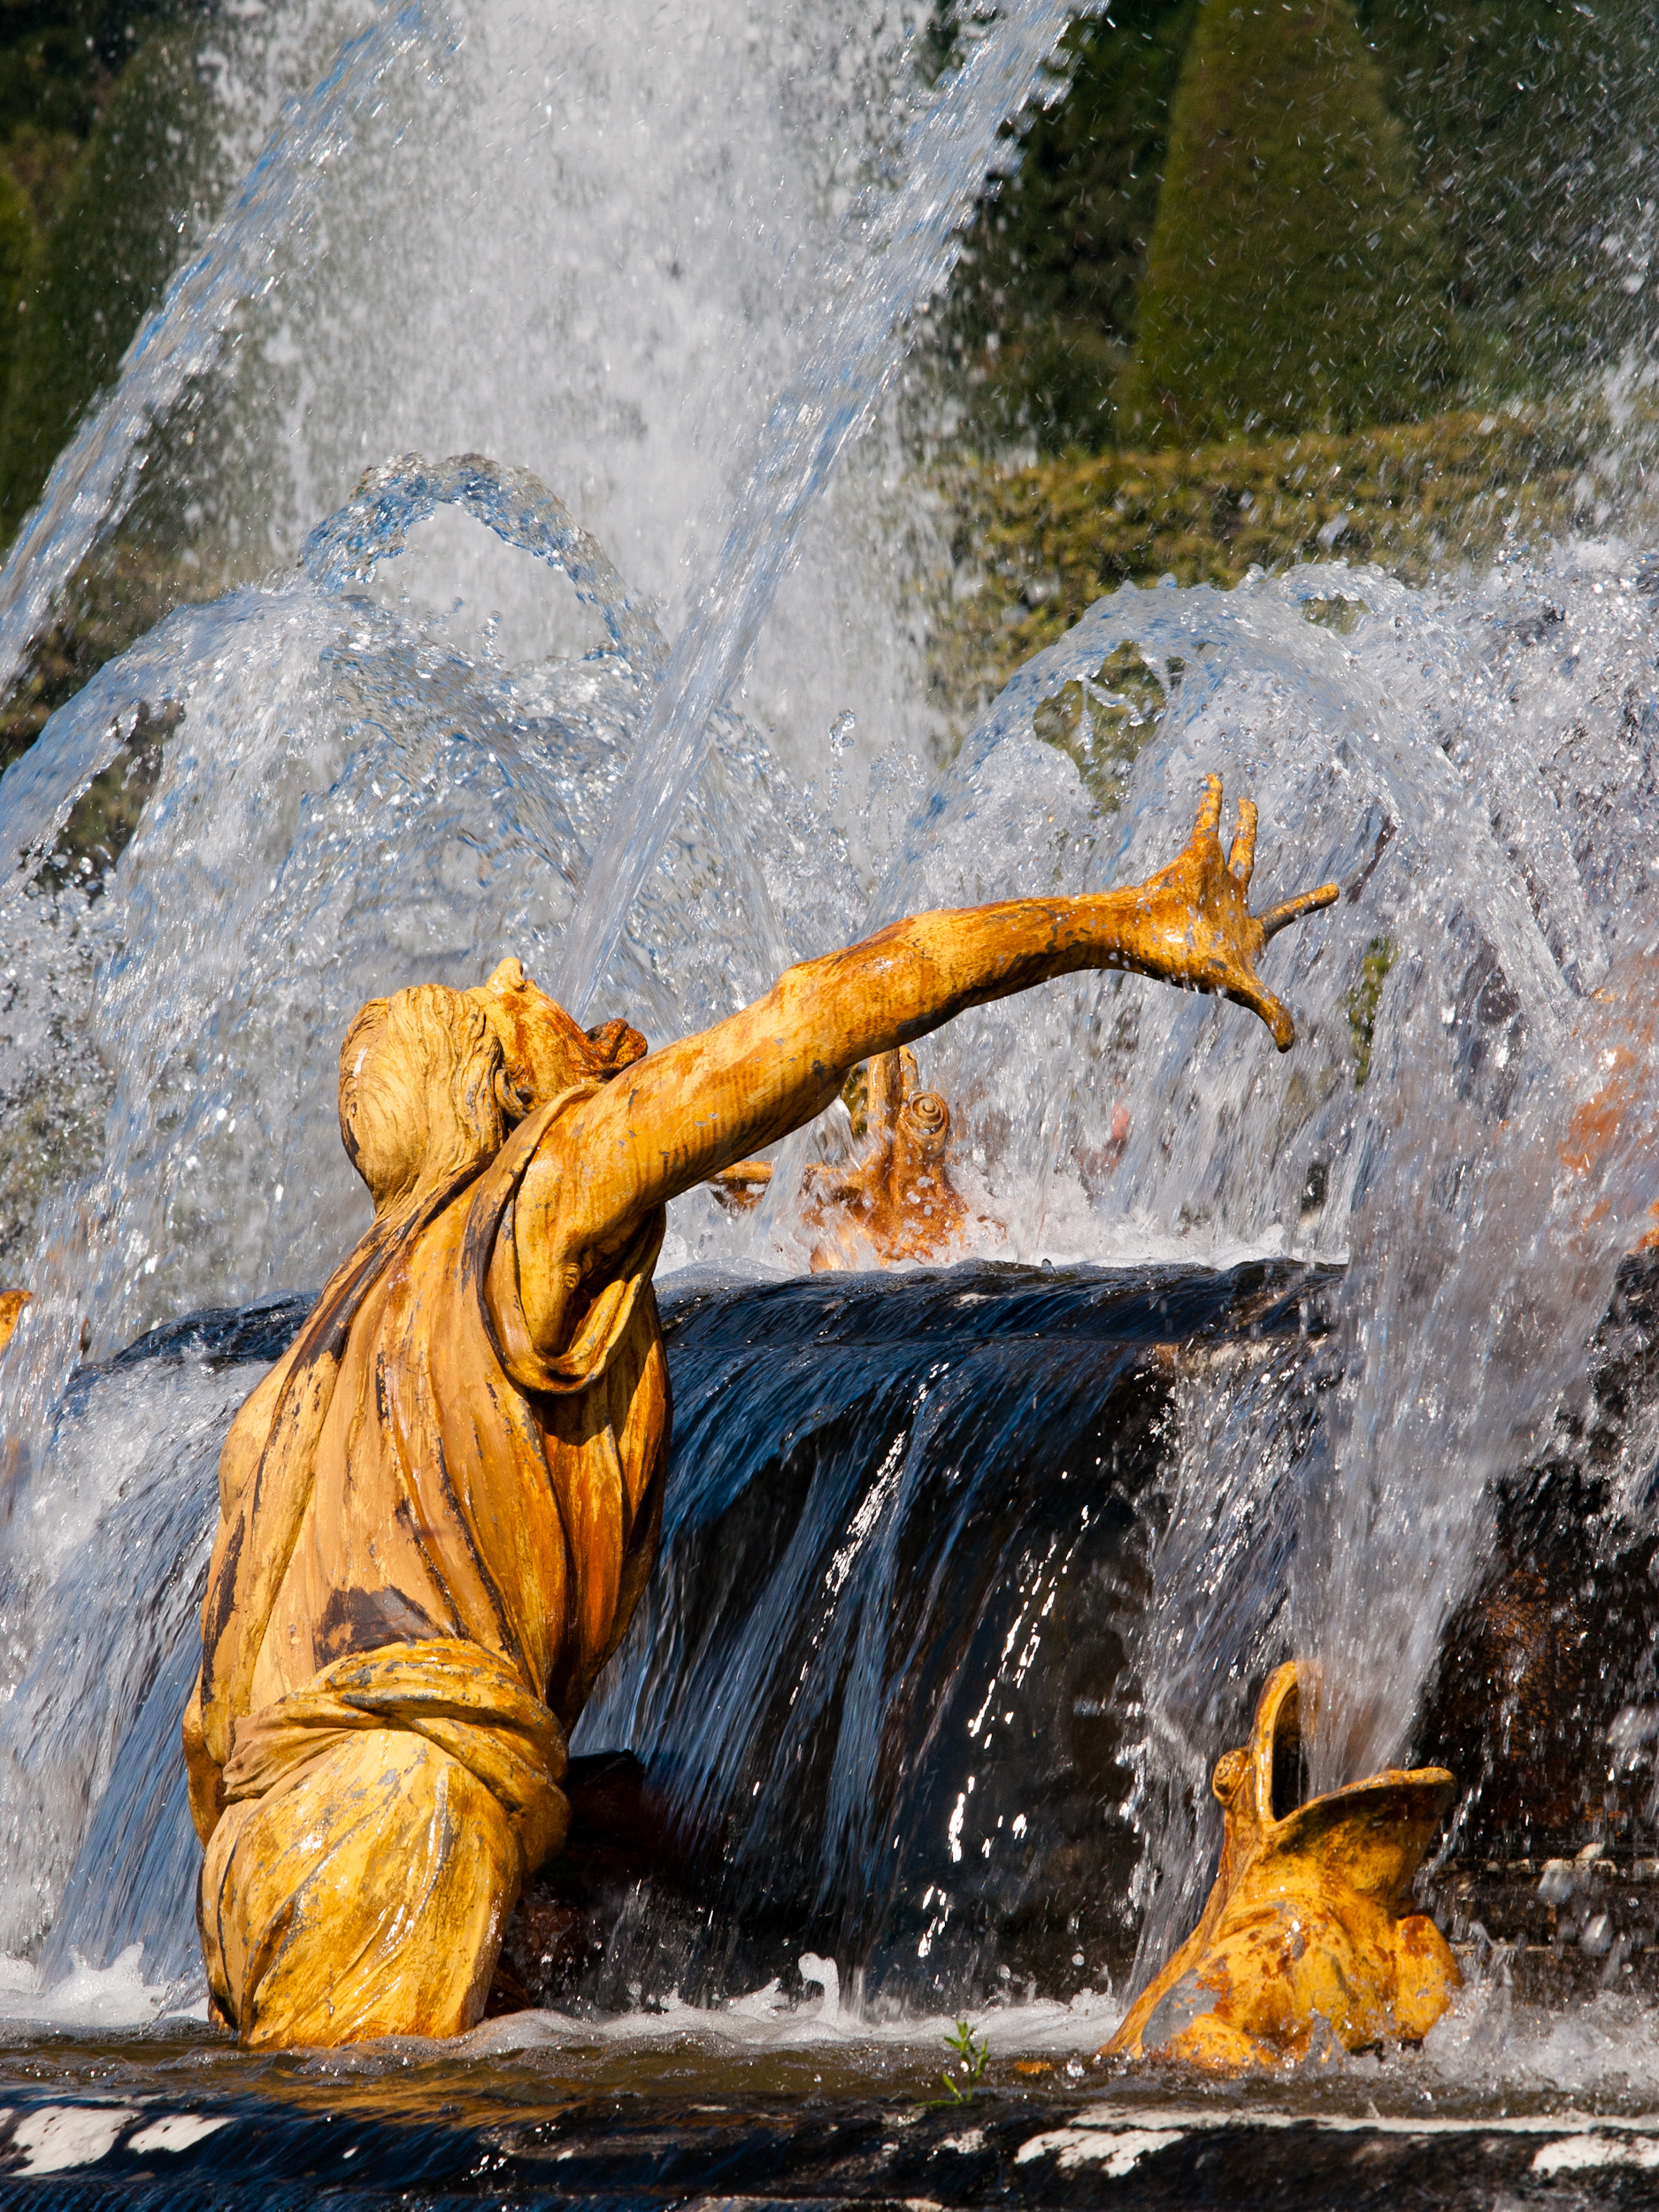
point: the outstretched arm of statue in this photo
(677, 1116)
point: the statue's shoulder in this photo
(535, 1161)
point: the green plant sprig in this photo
(973, 2053)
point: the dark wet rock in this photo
(891, 1496)
(1555, 1931)
(881, 1689)
(622, 1848)
(429, 2137)
(219, 1336)
(1545, 1704)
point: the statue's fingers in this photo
(1272, 1010)
(1241, 859)
(1208, 809)
(1279, 917)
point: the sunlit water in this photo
(350, 799)
(179, 346)
(683, 2105)
(360, 792)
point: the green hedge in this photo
(140, 184)
(1526, 124)
(1294, 280)
(1044, 302)
(1532, 125)
(58, 59)
(17, 250)
(1034, 547)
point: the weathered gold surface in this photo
(743, 1185)
(1311, 1923)
(897, 1199)
(11, 1305)
(438, 1511)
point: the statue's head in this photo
(430, 1080)
(543, 1050)
(421, 1090)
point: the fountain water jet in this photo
(1492, 739)
(95, 478)
(862, 337)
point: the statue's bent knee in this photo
(378, 1827)
(364, 1896)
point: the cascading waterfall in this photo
(357, 792)
(1250, 685)
(233, 994)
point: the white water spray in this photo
(358, 795)
(898, 265)
(95, 476)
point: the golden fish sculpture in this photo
(897, 1198)
(1311, 1919)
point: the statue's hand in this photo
(1204, 933)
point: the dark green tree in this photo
(1043, 309)
(1295, 278)
(58, 59)
(17, 247)
(143, 181)
(1533, 123)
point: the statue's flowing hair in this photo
(420, 1095)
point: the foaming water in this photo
(96, 475)
(861, 340)
(351, 799)
(1480, 781)
(1489, 2064)
(603, 248)
(1600, 2061)
(88, 2000)
(459, 231)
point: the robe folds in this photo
(432, 1535)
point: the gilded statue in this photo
(896, 1199)
(1310, 1925)
(438, 1511)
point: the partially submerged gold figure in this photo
(438, 1509)
(1311, 1919)
(897, 1199)
(11, 1305)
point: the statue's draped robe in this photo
(432, 1533)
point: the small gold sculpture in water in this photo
(438, 1511)
(11, 1305)
(897, 1199)
(1311, 1919)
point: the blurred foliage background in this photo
(1285, 280)
(1310, 214)
(109, 169)
(107, 154)
(1272, 279)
